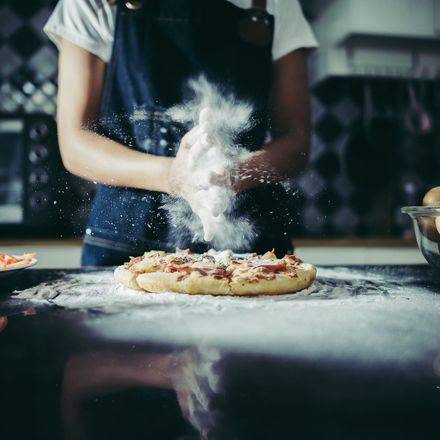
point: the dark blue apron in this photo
(157, 49)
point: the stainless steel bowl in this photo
(427, 231)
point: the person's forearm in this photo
(284, 157)
(84, 152)
(99, 159)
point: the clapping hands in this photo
(202, 175)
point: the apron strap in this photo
(259, 4)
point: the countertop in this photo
(355, 356)
(64, 253)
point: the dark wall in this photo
(28, 61)
(366, 162)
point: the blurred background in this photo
(375, 83)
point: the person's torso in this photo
(157, 50)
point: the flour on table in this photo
(348, 313)
(99, 290)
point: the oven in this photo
(30, 176)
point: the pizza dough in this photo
(194, 283)
(280, 285)
(216, 273)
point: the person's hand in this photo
(200, 175)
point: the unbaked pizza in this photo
(216, 273)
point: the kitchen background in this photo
(375, 109)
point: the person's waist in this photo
(125, 242)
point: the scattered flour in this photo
(98, 290)
(220, 117)
(346, 314)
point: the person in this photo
(122, 64)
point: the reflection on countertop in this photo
(357, 357)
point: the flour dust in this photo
(228, 118)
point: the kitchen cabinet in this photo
(390, 18)
(392, 39)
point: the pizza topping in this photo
(255, 277)
(269, 255)
(273, 265)
(7, 261)
(221, 273)
(250, 269)
(176, 262)
(205, 271)
(133, 260)
(232, 274)
(154, 254)
(176, 259)
(292, 259)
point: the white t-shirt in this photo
(90, 24)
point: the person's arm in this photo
(84, 152)
(287, 154)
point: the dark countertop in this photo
(357, 356)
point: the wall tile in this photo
(10, 61)
(9, 21)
